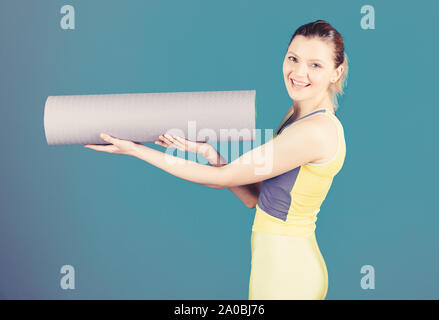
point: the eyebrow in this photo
(309, 59)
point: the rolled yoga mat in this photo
(142, 117)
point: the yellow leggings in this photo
(286, 268)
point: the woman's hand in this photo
(118, 146)
(183, 144)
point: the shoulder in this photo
(318, 130)
(318, 126)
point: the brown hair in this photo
(324, 31)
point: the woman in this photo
(286, 261)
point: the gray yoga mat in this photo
(142, 117)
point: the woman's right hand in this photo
(183, 144)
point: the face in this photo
(309, 61)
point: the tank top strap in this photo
(333, 117)
(289, 122)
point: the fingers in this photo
(104, 137)
(164, 143)
(181, 140)
(175, 141)
(183, 143)
(166, 140)
(171, 141)
(96, 147)
(107, 138)
(114, 145)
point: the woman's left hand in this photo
(118, 146)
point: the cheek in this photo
(318, 79)
(285, 68)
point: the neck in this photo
(304, 107)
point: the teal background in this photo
(133, 231)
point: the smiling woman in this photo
(315, 60)
(298, 168)
(286, 259)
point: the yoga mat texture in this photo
(142, 117)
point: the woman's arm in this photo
(299, 144)
(248, 194)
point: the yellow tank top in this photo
(288, 204)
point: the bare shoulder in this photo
(323, 128)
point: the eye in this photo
(317, 65)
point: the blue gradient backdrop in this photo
(132, 231)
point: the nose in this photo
(299, 71)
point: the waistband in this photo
(264, 222)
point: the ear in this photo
(338, 73)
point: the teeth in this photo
(302, 84)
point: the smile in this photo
(298, 85)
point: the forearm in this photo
(182, 168)
(248, 193)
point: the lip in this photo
(299, 81)
(296, 87)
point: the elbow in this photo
(253, 202)
(252, 205)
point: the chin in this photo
(297, 98)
